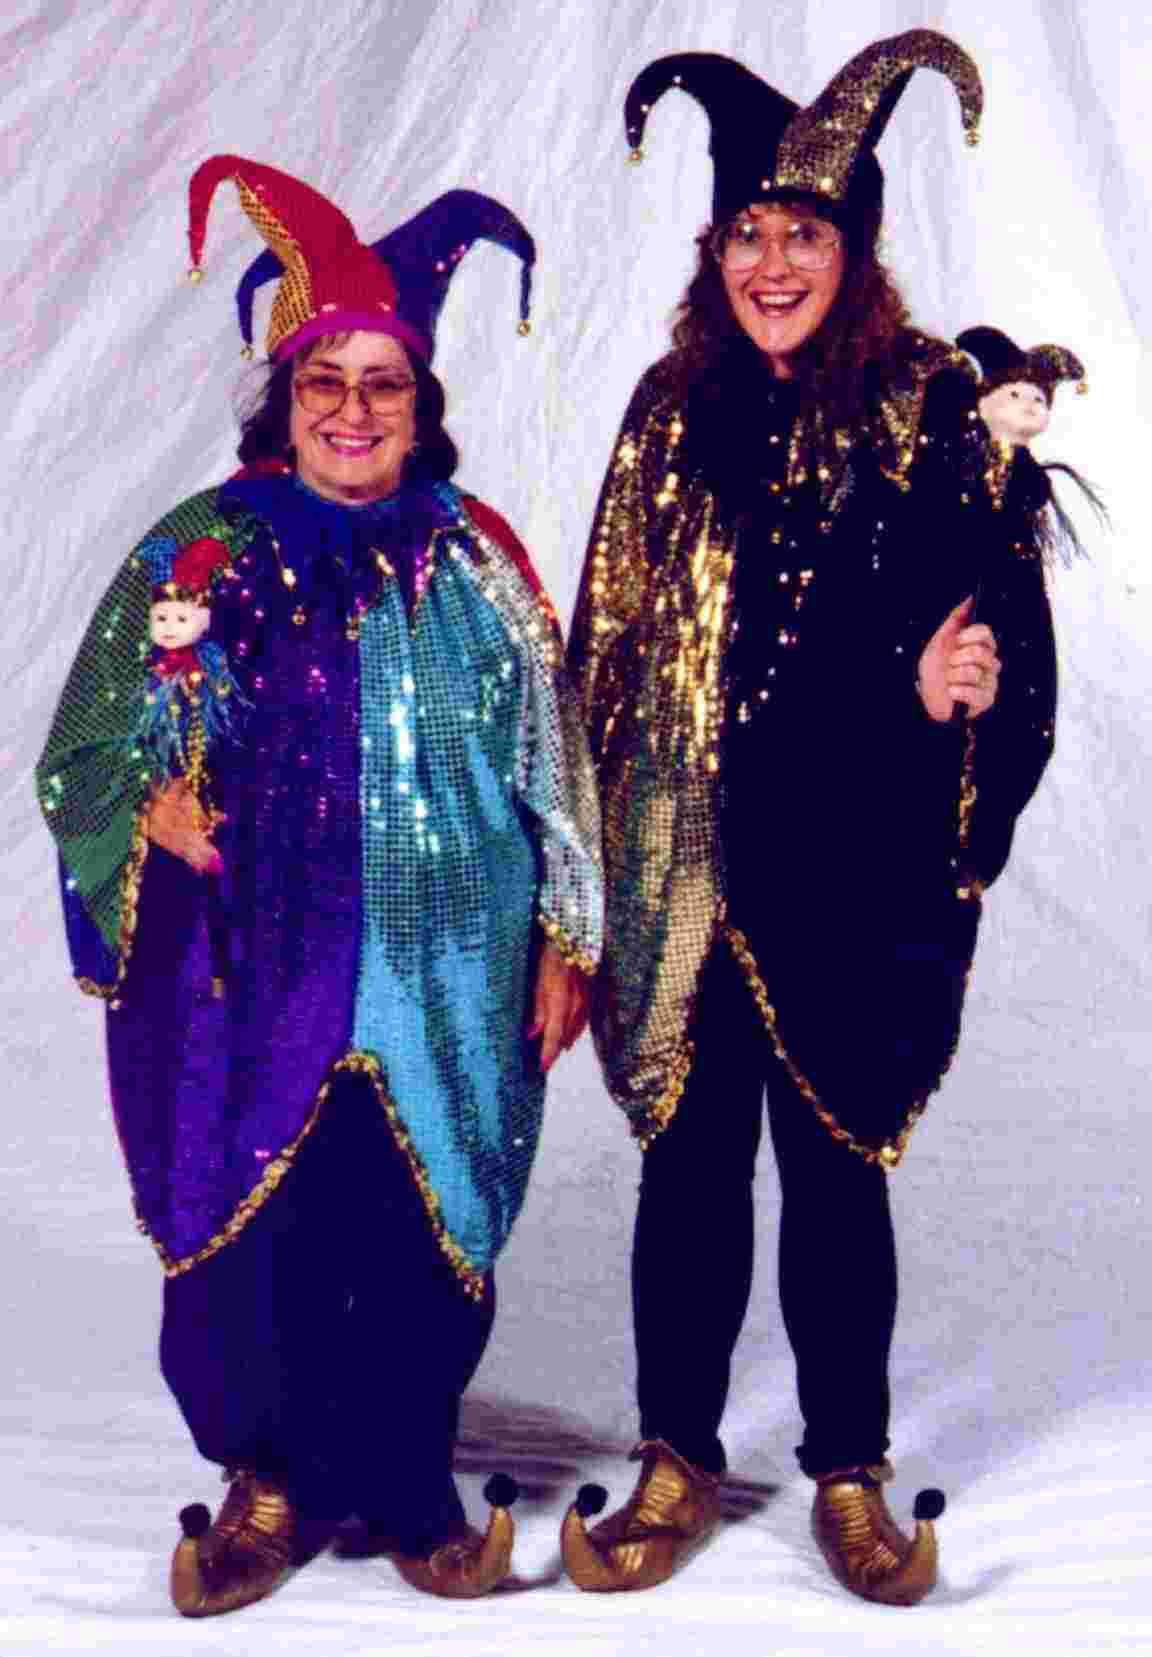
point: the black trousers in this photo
(329, 1344)
(692, 1255)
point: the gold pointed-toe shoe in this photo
(864, 1547)
(672, 1512)
(468, 1565)
(241, 1556)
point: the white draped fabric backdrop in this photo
(1021, 1362)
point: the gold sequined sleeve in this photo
(616, 569)
(645, 652)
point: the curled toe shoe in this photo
(864, 1547)
(468, 1565)
(240, 1556)
(673, 1510)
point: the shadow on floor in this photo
(551, 1452)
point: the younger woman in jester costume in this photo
(774, 632)
(329, 847)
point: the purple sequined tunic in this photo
(233, 997)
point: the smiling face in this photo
(352, 454)
(1015, 413)
(778, 306)
(174, 623)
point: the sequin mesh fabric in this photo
(405, 797)
(747, 641)
(293, 305)
(822, 143)
(466, 785)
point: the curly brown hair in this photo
(857, 341)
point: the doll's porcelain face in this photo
(175, 624)
(1016, 412)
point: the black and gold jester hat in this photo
(1002, 361)
(765, 146)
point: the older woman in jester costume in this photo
(329, 849)
(811, 753)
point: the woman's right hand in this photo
(177, 823)
(959, 664)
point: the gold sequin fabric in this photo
(1049, 364)
(293, 305)
(647, 652)
(822, 143)
(1002, 361)
(891, 428)
(748, 667)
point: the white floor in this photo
(1020, 1378)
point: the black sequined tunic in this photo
(747, 637)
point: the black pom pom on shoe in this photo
(195, 1520)
(590, 1500)
(929, 1504)
(501, 1490)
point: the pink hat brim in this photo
(350, 322)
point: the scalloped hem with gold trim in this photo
(649, 1123)
(471, 1278)
(891, 1152)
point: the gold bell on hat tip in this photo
(1082, 389)
(636, 155)
(248, 353)
(524, 326)
(972, 139)
(195, 274)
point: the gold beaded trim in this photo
(364, 1064)
(367, 1064)
(887, 1155)
(571, 952)
(245, 1210)
(130, 879)
(657, 1117)
(968, 887)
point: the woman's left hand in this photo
(560, 1005)
(959, 664)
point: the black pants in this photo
(692, 1256)
(328, 1345)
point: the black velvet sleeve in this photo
(1013, 741)
(976, 519)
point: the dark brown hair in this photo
(264, 419)
(858, 339)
